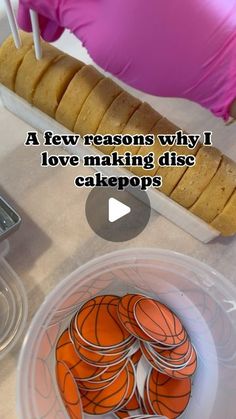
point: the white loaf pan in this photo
(159, 202)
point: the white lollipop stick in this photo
(36, 34)
(13, 23)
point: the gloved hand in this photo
(180, 48)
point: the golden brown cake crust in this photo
(54, 82)
(76, 94)
(117, 116)
(171, 175)
(95, 106)
(141, 122)
(214, 198)
(11, 58)
(32, 70)
(225, 222)
(162, 126)
(197, 178)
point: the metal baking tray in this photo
(9, 220)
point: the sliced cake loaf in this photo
(86, 102)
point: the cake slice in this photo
(141, 122)
(32, 70)
(54, 82)
(95, 106)
(163, 126)
(214, 198)
(76, 94)
(171, 175)
(12, 57)
(225, 222)
(196, 178)
(116, 117)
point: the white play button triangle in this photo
(117, 216)
(117, 210)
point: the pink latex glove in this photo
(180, 48)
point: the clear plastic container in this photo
(204, 300)
(13, 304)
